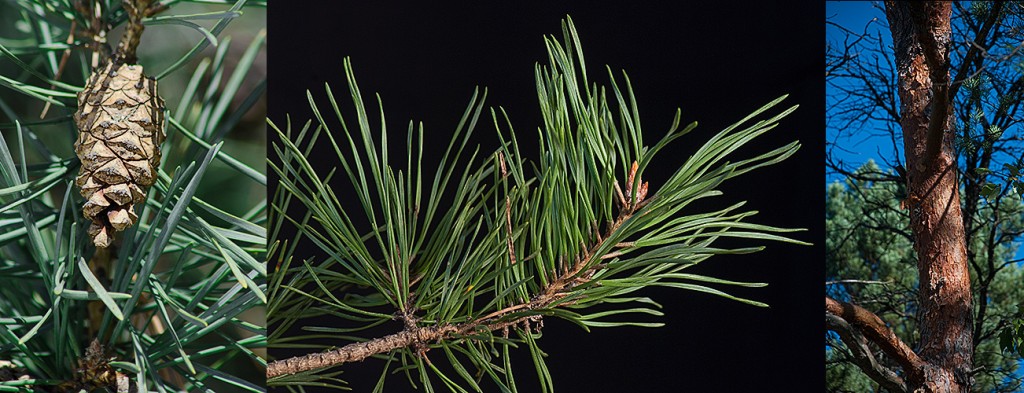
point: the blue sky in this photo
(871, 140)
(866, 143)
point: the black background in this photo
(717, 61)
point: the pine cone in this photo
(120, 122)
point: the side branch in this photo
(979, 46)
(862, 355)
(872, 328)
(934, 40)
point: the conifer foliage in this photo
(125, 268)
(467, 260)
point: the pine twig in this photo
(133, 31)
(579, 273)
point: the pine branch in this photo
(508, 252)
(856, 324)
(580, 273)
(978, 48)
(862, 355)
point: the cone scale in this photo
(120, 121)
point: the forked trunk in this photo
(921, 34)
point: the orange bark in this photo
(921, 34)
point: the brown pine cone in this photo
(120, 122)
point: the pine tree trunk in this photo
(921, 33)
